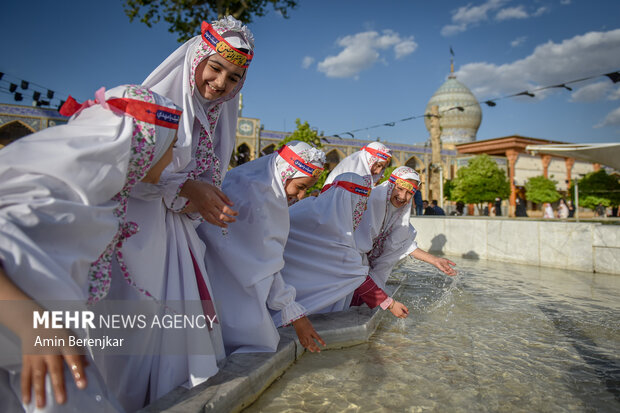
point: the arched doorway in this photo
(332, 158)
(12, 131)
(414, 163)
(268, 150)
(241, 155)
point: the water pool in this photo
(497, 338)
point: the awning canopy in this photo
(604, 153)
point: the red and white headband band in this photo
(349, 186)
(377, 153)
(408, 186)
(298, 163)
(137, 109)
(218, 44)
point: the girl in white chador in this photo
(63, 215)
(370, 161)
(321, 258)
(386, 236)
(204, 76)
(244, 262)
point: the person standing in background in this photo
(417, 200)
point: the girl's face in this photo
(296, 188)
(378, 167)
(153, 175)
(400, 196)
(216, 77)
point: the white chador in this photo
(361, 162)
(166, 260)
(63, 195)
(385, 233)
(321, 259)
(244, 261)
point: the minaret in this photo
(435, 131)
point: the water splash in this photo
(429, 289)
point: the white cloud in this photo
(361, 51)
(612, 119)
(540, 11)
(615, 94)
(465, 16)
(473, 14)
(518, 41)
(512, 13)
(565, 2)
(468, 16)
(450, 29)
(592, 92)
(307, 62)
(551, 63)
(406, 47)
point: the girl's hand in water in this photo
(307, 334)
(445, 265)
(398, 309)
(212, 204)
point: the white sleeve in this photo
(170, 185)
(282, 298)
(395, 250)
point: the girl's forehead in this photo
(220, 61)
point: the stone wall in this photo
(583, 246)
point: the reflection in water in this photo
(497, 338)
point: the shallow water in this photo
(496, 338)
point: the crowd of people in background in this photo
(565, 209)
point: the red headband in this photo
(223, 48)
(137, 109)
(403, 183)
(377, 153)
(349, 186)
(298, 163)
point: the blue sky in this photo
(348, 64)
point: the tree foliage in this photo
(540, 190)
(306, 134)
(386, 174)
(185, 16)
(480, 181)
(303, 133)
(448, 189)
(597, 187)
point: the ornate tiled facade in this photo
(17, 121)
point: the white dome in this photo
(456, 126)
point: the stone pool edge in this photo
(244, 377)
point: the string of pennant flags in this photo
(24, 89)
(42, 96)
(613, 76)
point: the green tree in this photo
(597, 187)
(480, 181)
(305, 133)
(540, 190)
(185, 16)
(448, 188)
(386, 174)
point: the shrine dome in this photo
(457, 126)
